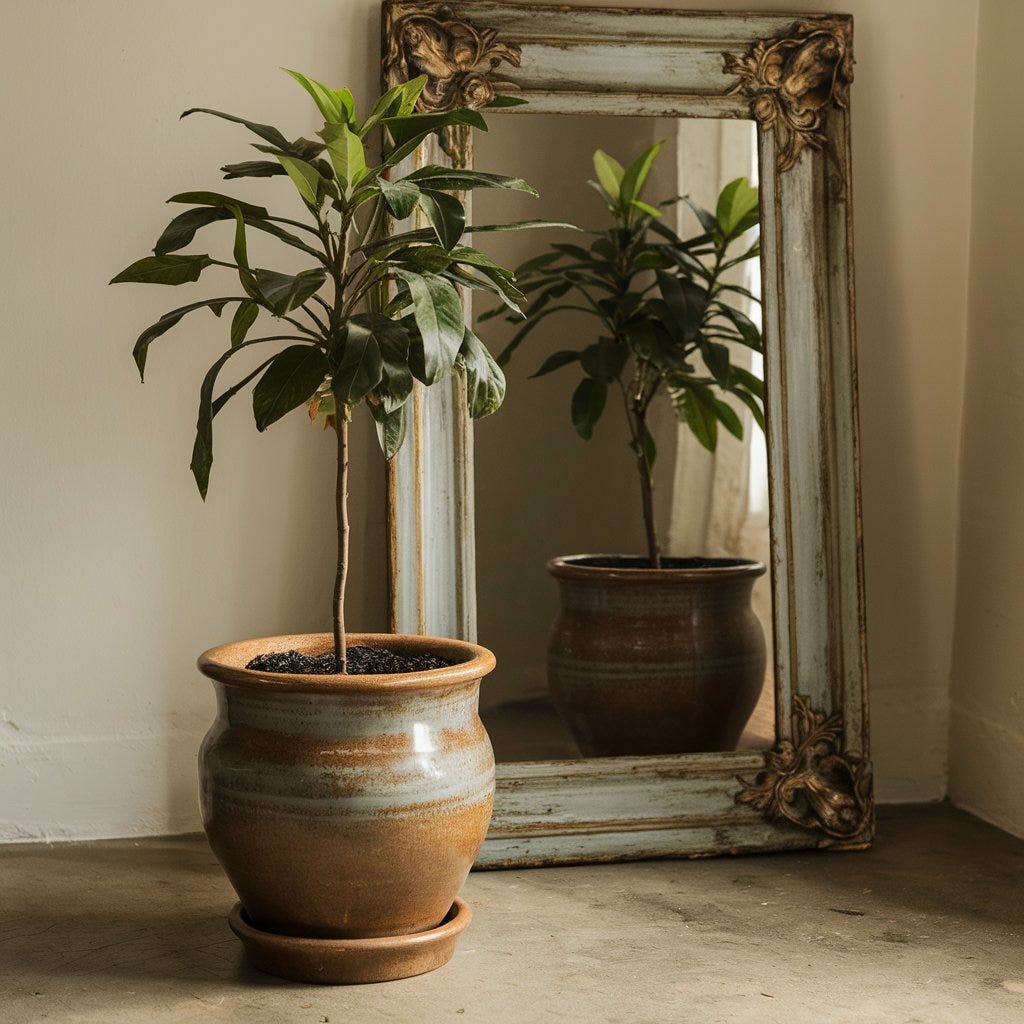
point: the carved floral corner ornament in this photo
(792, 81)
(458, 57)
(812, 782)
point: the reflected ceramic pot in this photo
(347, 806)
(655, 661)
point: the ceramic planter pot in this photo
(655, 661)
(346, 807)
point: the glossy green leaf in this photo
(446, 214)
(264, 131)
(556, 361)
(165, 323)
(505, 101)
(686, 302)
(449, 179)
(609, 173)
(588, 401)
(748, 330)
(183, 228)
(716, 356)
(202, 449)
(391, 428)
(252, 169)
(218, 199)
(347, 157)
(171, 270)
(404, 128)
(242, 321)
(400, 197)
(289, 381)
(650, 450)
(359, 365)
(728, 418)
(336, 105)
(437, 312)
(632, 181)
(737, 209)
(604, 359)
(284, 292)
(485, 383)
(305, 177)
(744, 378)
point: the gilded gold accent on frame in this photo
(458, 57)
(811, 781)
(792, 81)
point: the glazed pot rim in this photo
(574, 567)
(226, 663)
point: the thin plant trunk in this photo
(639, 423)
(341, 501)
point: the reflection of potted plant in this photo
(346, 788)
(654, 655)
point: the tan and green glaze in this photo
(347, 807)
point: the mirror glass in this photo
(543, 491)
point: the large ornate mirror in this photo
(612, 742)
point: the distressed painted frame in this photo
(791, 74)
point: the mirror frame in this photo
(791, 74)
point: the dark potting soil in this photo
(362, 661)
(639, 562)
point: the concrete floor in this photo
(927, 927)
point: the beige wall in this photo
(987, 733)
(116, 575)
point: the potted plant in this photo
(347, 783)
(653, 655)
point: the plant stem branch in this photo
(341, 502)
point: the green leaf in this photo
(398, 101)
(609, 173)
(745, 379)
(252, 169)
(404, 128)
(437, 312)
(336, 105)
(707, 220)
(359, 366)
(645, 208)
(446, 214)
(633, 178)
(244, 318)
(183, 228)
(650, 450)
(264, 131)
(737, 209)
(699, 416)
(604, 359)
(165, 323)
(447, 179)
(727, 415)
(284, 292)
(391, 427)
(290, 380)
(686, 302)
(485, 383)
(393, 340)
(652, 341)
(748, 329)
(164, 270)
(752, 404)
(556, 361)
(716, 356)
(202, 449)
(305, 177)
(505, 101)
(587, 405)
(345, 150)
(400, 197)
(217, 199)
